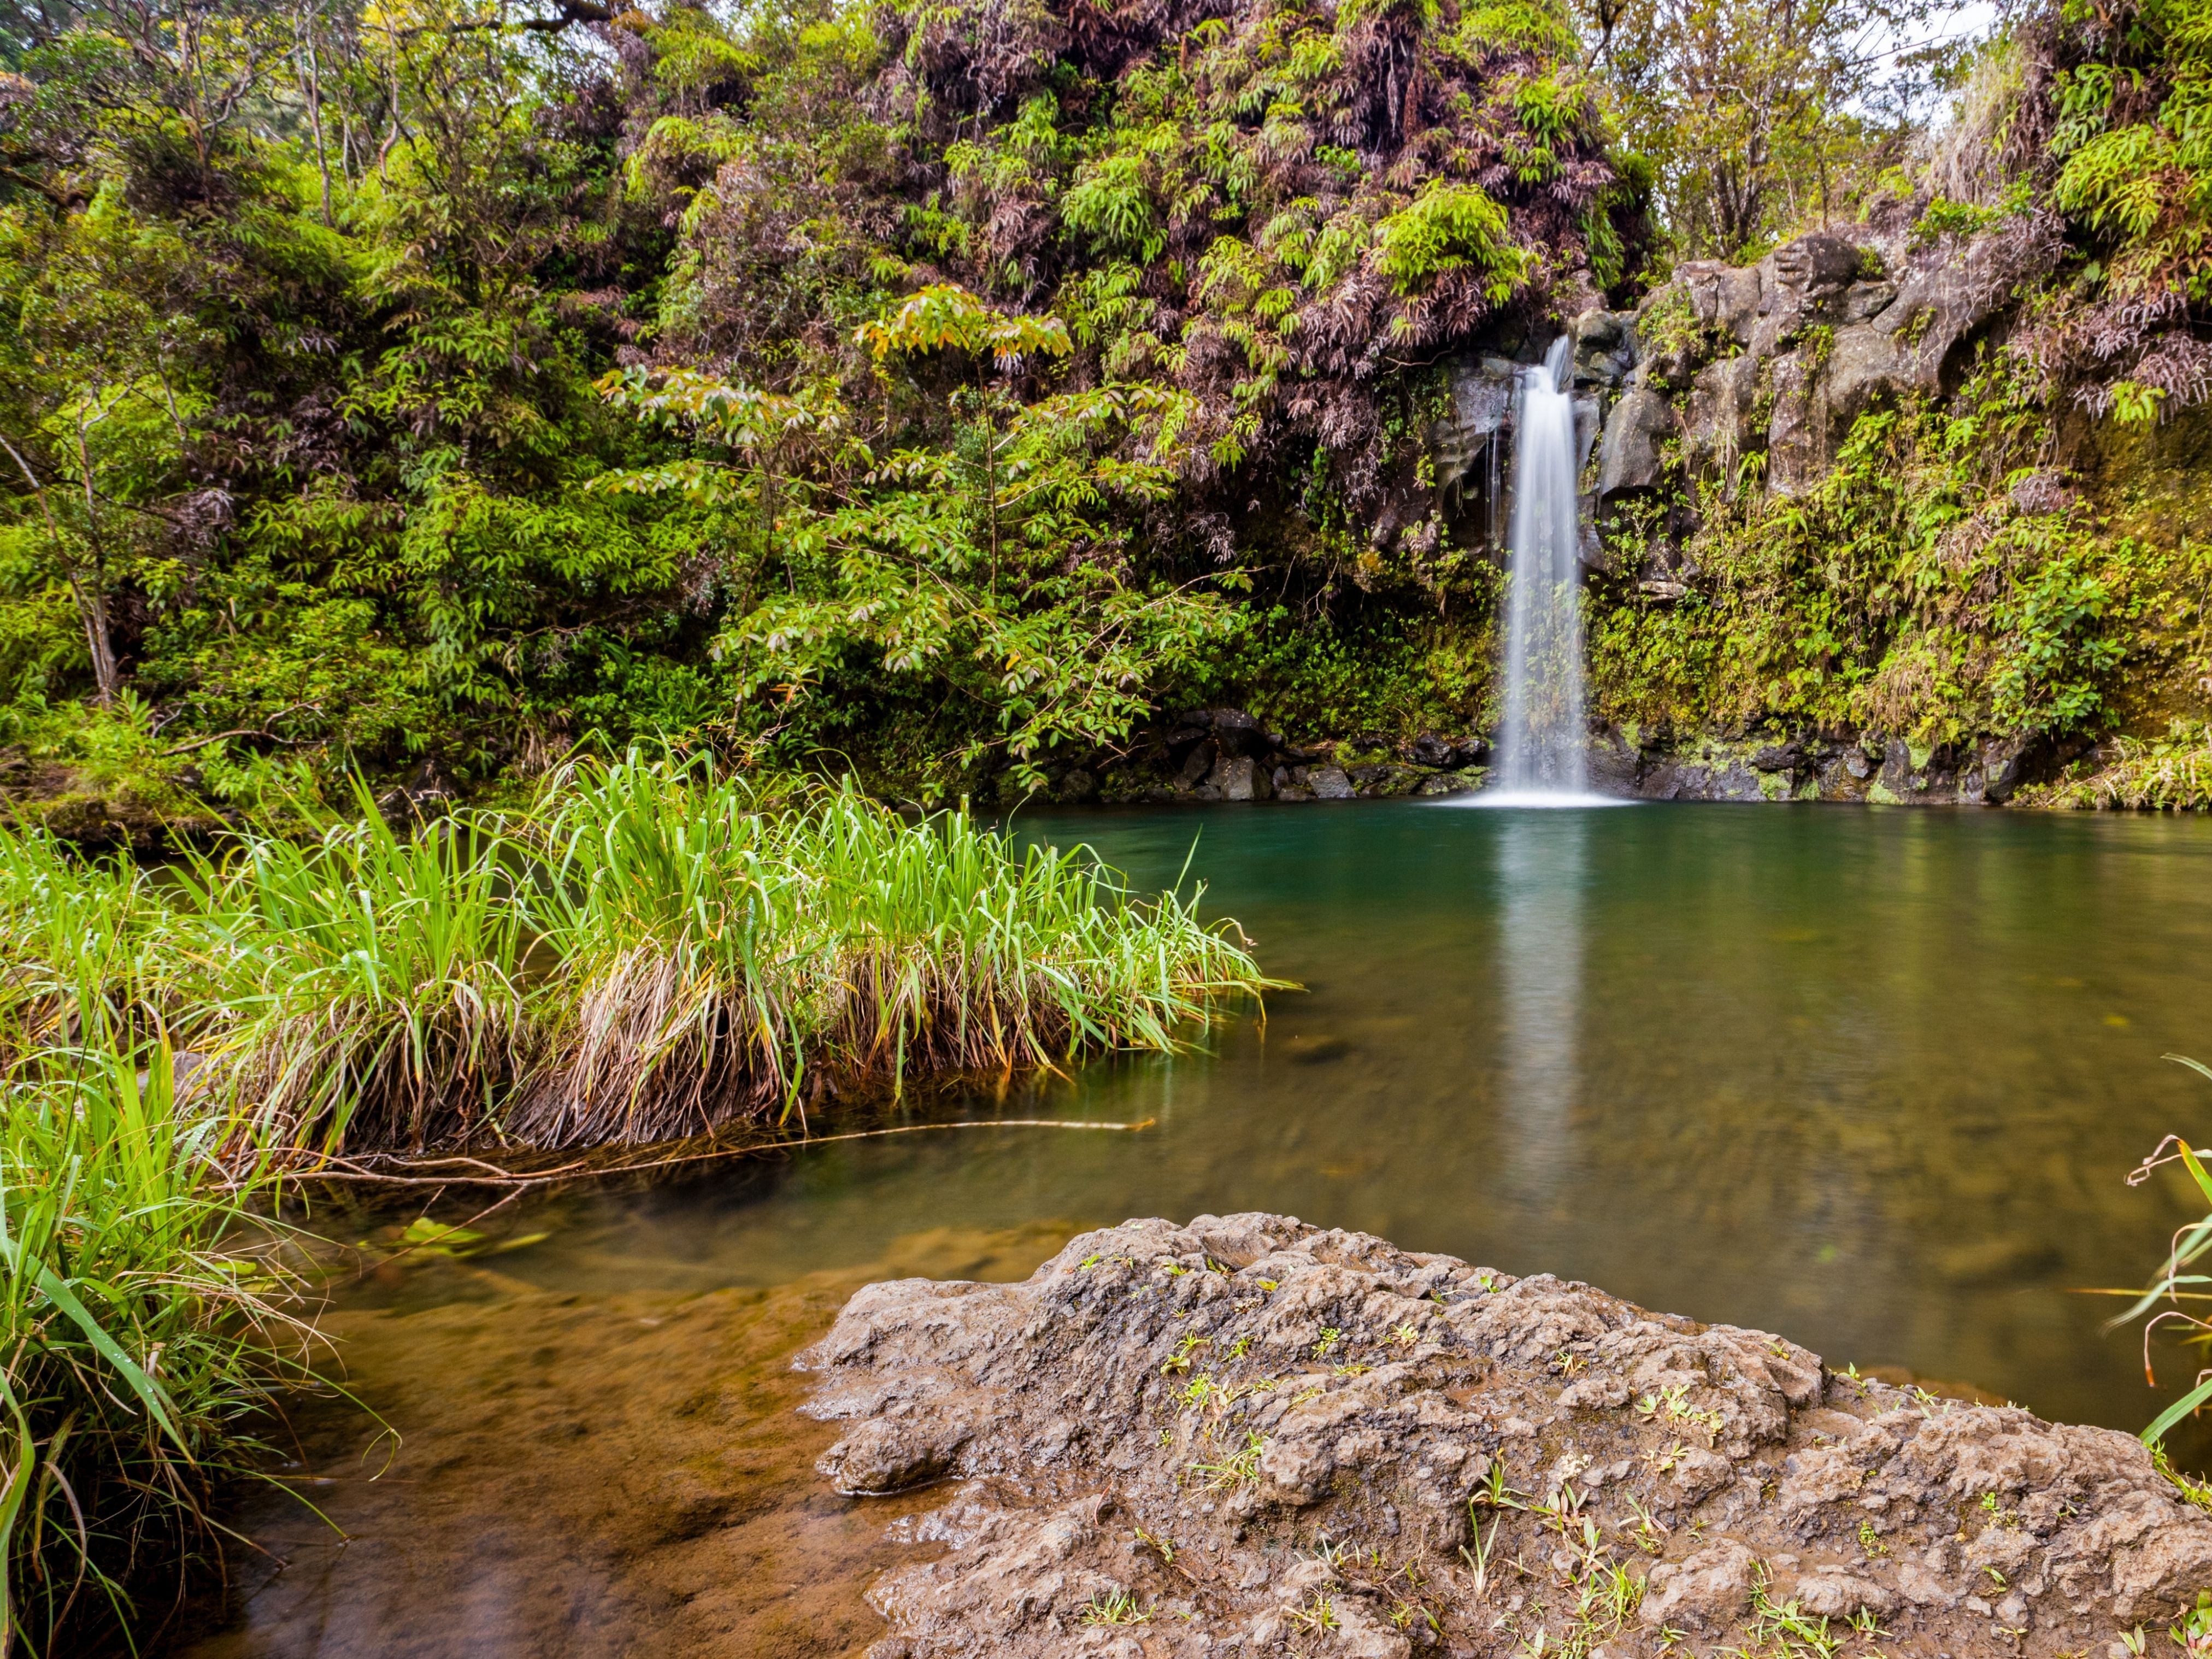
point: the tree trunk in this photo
(91, 600)
(92, 606)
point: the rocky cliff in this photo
(1251, 1437)
(1714, 415)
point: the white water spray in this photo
(1543, 758)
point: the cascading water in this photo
(1543, 756)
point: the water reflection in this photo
(1539, 941)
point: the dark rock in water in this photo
(1239, 777)
(1197, 764)
(1267, 1438)
(1614, 766)
(1445, 754)
(1379, 779)
(1780, 757)
(1076, 784)
(1449, 783)
(1330, 783)
(1188, 730)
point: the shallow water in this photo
(1870, 1078)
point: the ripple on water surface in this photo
(1869, 1079)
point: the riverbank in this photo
(1202, 756)
(652, 954)
(1253, 1436)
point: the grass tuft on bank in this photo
(719, 957)
(365, 986)
(652, 951)
(137, 1339)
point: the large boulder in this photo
(1248, 1435)
(1723, 299)
(1240, 777)
(1635, 433)
(1803, 285)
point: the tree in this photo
(994, 568)
(1760, 116)
(104, 373)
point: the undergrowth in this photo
(1939, 582)
(137, 1341)
(2173, 772)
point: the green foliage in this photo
(1447, 228)
(2169, 774)
(2136, 170)
(131, 1359)
(1389, 680)
(1530, 26)
(1905, 593)
(135, 1321)
(917, 409)
(996, 567)
(946, 317)
(1943, 217)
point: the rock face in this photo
(1831, 767)
(1784, 356)
(1227, 755)
(1249, 1437)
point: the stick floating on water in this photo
(495, 1176)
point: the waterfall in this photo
(1543, 753)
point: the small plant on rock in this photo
(1121, 1609)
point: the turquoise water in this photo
(1871, 1079)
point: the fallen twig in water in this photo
(349, 1169)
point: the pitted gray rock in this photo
(1249, 1436)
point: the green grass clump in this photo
(366, 986)
(717, 952)
(70, 931)
(652, 951)
(134, 1342)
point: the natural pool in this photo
(1871, 1079)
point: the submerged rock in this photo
(1249, 1436)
